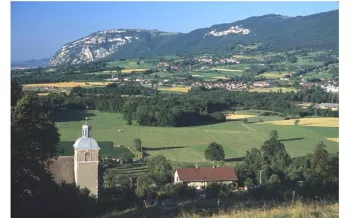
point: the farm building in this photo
(261, 84)
(332, 106)
(199, 177)
(82, 168)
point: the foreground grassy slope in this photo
(310, 210)
(298, 210)
(186, 144)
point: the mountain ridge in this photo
(273, 31)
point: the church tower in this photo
(86, 160)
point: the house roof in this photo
(62, 169)
(207, 174)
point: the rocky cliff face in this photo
(101, 44)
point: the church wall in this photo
(81, 155)
(88, 176)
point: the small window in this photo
(87, 156)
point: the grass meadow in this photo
(238, 210)
(187, 144)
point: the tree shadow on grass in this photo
(161, 148)
(234, 159)
(146, 154)
(72, 115)
(291, 139)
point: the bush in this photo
(126, 156)
(296, 122)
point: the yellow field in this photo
(273, 89)
(238, 116)
(220, 77)
(244, 57)
(228, 70)
(333, 139)
(274, 75)
(136, 70)
(43, 94)
(175, 89)
(68, 84)
(195, 75)
(321, 122)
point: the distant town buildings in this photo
(331, 106)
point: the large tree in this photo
(33, 143)
(143, 186)
(320, 159)
(159, 168)
(138, 144)
(214, 152)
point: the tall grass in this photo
(298, 209)
(320, 209)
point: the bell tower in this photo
(86, 160)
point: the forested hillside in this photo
(270, 32)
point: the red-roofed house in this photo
(199, 177)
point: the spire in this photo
(86, 129)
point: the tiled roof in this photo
(62, 169)
(207, 174)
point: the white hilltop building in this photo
(82, 168)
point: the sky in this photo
(39, 29)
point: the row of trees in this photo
(115, 89)
(198, 107)
(272, 166)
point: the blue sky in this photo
(39, 29)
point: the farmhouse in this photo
(82, 168)
(332, 106)
(261, 84)
(199, 177)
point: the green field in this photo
(129, 64)
(212, 74)
(186, 144)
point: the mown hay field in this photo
(220, 77)
(187, 144)
(43, 94)
(135, 70)
(228, 70)
(174, 89)
(320, 122)
(275, 75)
(68, 84)
(238, 116)
(333, 139)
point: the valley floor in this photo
(187, 144)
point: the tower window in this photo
(87, 156)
